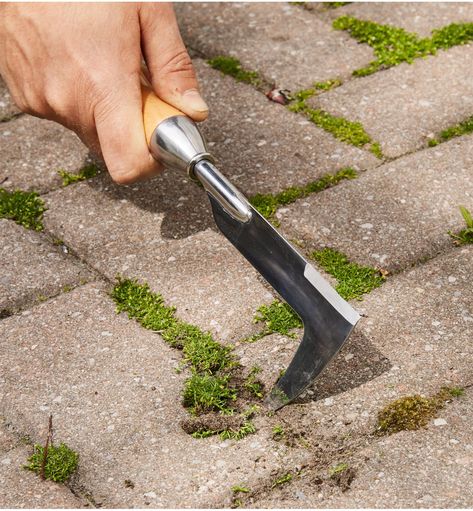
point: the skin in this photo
(80, 64)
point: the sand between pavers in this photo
(392, 216)
(115, 396)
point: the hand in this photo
(79, 65)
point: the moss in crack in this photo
(87, 172)
(393, 45)
(463, 128)
(413, 412)
(465, 236)
(284, 479)
(336, 5)
(268, 204)
(61, 462)
(317, 88)
(353, 280)
(232, 66)
(278, 317)
(25, 208)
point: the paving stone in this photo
(33, 150)
(284, 43)
(114, 393)
(260, 145)
(7, 107)
(395, 215)
(418, 17)
(404, 106)
(32, 268)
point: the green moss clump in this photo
(61, 462)
(393, 45)
(278, 317)
(413, 412)
(86, 172)
(353, 280)
(278, 432)
(286, 478)
(318, 87)
(463, 128)
(338, 469)
(268, 204)
(232, 66)
(376, 150)
(25, 208)
(208, 388)
(240, 489)
(465, 236)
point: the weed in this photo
(336, 5)
(376, 150)
(465, 235)
(353, 280)
(25, 208)
(232, 66)
(248, 428)
(393, 45)
(252, 384)
(204, 393)
(463, 128)
(86, 172)
(268, 204)
(240, 489)
(278, 432)
(282, 480)
(61, 462)
(277, 317)
(337, 469)
(456, 391)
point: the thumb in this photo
(172, 73)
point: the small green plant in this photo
(61, 462)
(240, 489)
(393, 45)
(463, 128)
(353, 280)
(413, 412)
(206, 392)
(252, 384)
(337, 469)
(336, 5)
(278, 432)
(86, 172)
(317, 88)
(248, 428)
(268, 204)
(232, 66)
(465, 235)
(278, 317)
(25, 208)
(286, 478)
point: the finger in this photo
(119, 123)
(172, 73)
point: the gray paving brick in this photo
(404, 106)
(285, 44)
(33, 268)
(395, 215)
(417, 17)
(33, 150)
(263, 147)
(7, 107)
(114, 394)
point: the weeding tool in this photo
(328, 319)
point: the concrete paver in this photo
(420, 18)
(33, 268)
(395, 215)
(282, 42)
(406, 105)
(115, 395)
(33, 150)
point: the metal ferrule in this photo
(178, 144)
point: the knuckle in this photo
(178, 63)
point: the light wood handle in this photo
(155, 110)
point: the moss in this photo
(393, 45)
(233, 428)
(317, 88)
(240, 489)
(353, 280)
(376, 150)
(206, 392)
(337, 469)
(252, 384)
(336, 5)
(278, 317)
(268, 204)
(465, 236)
(86, 172)
(232, 66)
(286, 478)
(413, 412)
(248, 428)
(25, 208)
(278, 432)
(61, 462)
(462, 128)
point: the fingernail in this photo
(194, 100)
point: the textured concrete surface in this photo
(7, 107)
(114, 393)
(420, 18)
(33, 150)
(403, 107)
(395, 215)
(33, 269)
(282, 42)
(20, 488)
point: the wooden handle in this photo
(155, 110)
